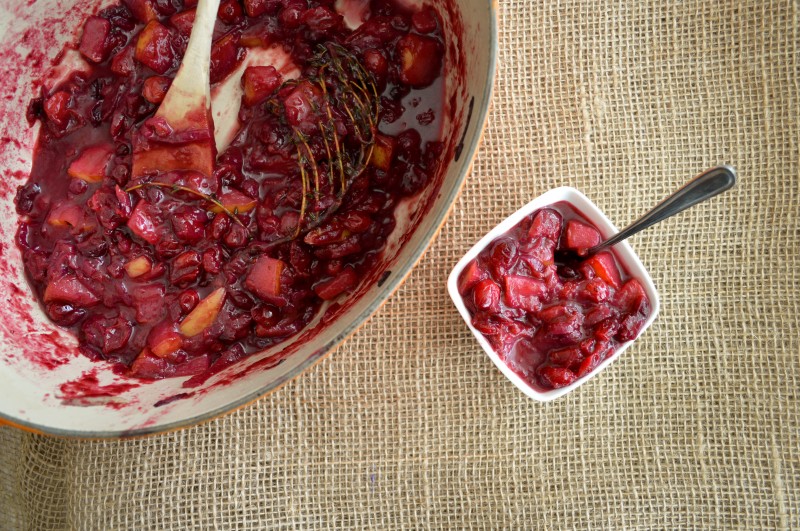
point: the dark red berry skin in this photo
(550, 323)
(124, 263)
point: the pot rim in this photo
(393, 284)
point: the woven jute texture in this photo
(408, 424)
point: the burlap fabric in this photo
(408, 424)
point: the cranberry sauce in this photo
(552, 323)
(186, 277)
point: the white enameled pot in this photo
(37, 358)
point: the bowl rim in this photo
(480, 116)
(623, 251)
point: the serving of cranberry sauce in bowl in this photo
(551, 323)
(157, 277)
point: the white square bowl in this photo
(622, 250)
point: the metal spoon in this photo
(705, 186)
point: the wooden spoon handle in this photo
(190, 89)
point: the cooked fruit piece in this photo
(235, 201)
(144, 10)
(605, 267)
(148, 300)
(189, 223)
(147, 365)
(355, 222)
(138, 266)
(95, 44)
(589, 364)
(607, 328)
(154, 47)
(580, 236)
(163, 339)
(631, 296)
(556, 377)
(326, 234)
(68, 288)
(539, 255)
(259, 82)
(319, 18)
(56, 107)
(109, 334)
(594, 291)
(68, 215)
(264, 278)
(185, 268)
(193, 367)
(382, 152)
(630, 325)
(471, 275)
(566, 357)
(547, 223)
(377, 65)
(487, 295)
(255, 8)
(183, 21)
(230, 12)
(303, 107)
(332, 288)
(155, 88)
(144, 222)
(420, 59)
(424, 20)
(224, 57)
(122, 63)
(90, 165)
(204, 314)
(524, 292)
(197, 156)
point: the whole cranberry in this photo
(188, 299)
(122, 241)
(65, 314)
(487, 295)
(408, 145)
(333, 267)
(240, 299)
(291, 15)
(265, 314)
(219, 226)
(321, 19)
(106, 333)
(185, 268)
(26, 195)
(236, 237)
(168, 245)
(189, 223)
(391, 110)
(503, 256)
(424, 20)
(230, 11)
(249, 187)
(76, 187)
(401, 23)
(212, 260)
(120, 174)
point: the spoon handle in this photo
(190, 89)
(705, 186)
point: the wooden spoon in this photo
(180, 136)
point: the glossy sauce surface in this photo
(187, 276)
(552, 323)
